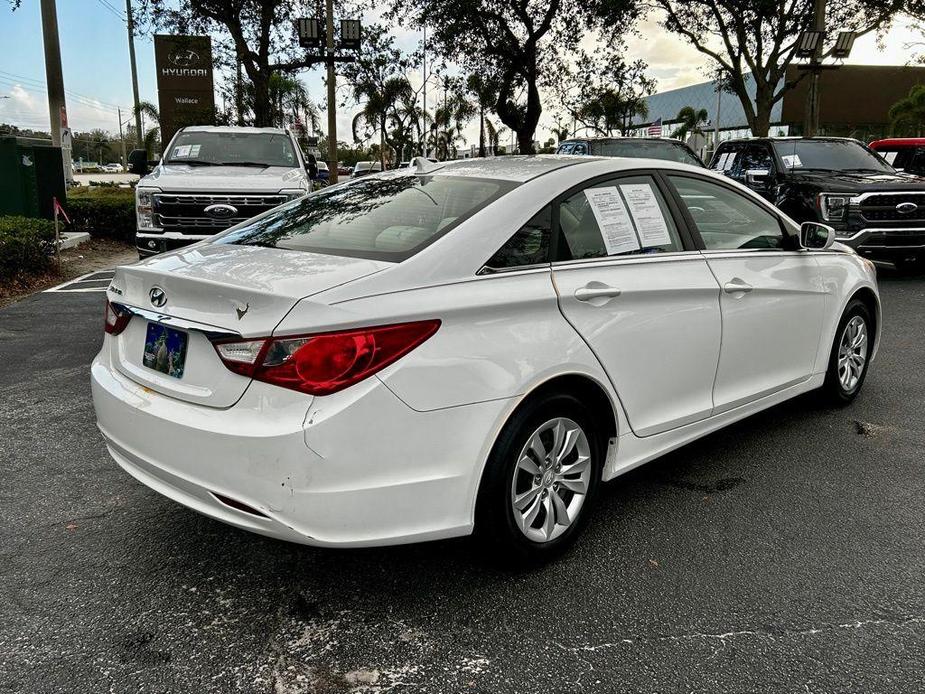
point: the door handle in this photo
(736, 285)
(596, 291)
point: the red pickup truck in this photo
(903, 153)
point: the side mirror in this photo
(816, 236)
(138, 162)
(757, 177)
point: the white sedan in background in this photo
(469, 346)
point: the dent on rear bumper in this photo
(356, 468)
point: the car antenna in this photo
(423, 165)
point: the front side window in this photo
(229, 148)
(529, 246)
(622, 216)
(728, 220)
(580, 148)
(388, 218)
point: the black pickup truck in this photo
(878, 211)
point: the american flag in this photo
(655, 130)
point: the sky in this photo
(97, 75)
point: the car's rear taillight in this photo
(116, 318)
(321, 364)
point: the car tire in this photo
(511, 534)
(849, 360)
(910, 266)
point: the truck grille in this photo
(882, 207)
(185, 213)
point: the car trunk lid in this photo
(207, 292)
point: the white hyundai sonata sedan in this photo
(469, 346)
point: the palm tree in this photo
(449, 122)
(153, 134)
(690, 121)
(379, 107)
(485, 91)
(908, 114)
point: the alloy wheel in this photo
(551, 480)
(852, 353)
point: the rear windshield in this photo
(647, 149)
(382, 218)
(829, 155)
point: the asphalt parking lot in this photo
(783, 554)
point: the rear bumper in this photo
(152, 244)
(358, 468)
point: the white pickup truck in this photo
(211, 178)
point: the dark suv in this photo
(633, 147)
(878, 211)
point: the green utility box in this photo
(31, 175)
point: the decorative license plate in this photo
(165, 350)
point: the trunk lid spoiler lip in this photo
(212, 332)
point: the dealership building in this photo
(854, 102)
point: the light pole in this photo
(311, 36)
(810, 45)
(54, 78)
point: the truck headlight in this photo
(144, 208)
(833, 207)
(293, 193)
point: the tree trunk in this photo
(481, 130)
(263, 109)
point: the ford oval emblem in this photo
(906, 207)
(221, 211)
(158, 297)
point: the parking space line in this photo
(91, 282)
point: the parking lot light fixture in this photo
(843, 44)
(808, 43)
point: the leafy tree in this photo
(691, 119)
(603, 92)
(520, 44)
(758, 38)
(907, 116)
(258, 34)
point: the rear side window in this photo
(388, 218)
(622, 216)
(728, 220)
(529, 246)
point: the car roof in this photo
(231, 129)
(519, 168)
(788, 138)
(899, 142)
(668, 140)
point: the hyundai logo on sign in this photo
(158, 296)
(906, 207)
(184, 57)
(221, 211)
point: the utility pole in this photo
(811, 119)
(719, 103)
(139, 135)
(332, 94)
(54, 77)
(122, 139)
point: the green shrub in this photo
(26, 245)
(102, 212)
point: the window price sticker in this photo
(613, 220)
(650, 222)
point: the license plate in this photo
(165, 350)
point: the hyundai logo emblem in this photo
(183, 57)
(906, 207)
(158, 296)
(221, 211)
